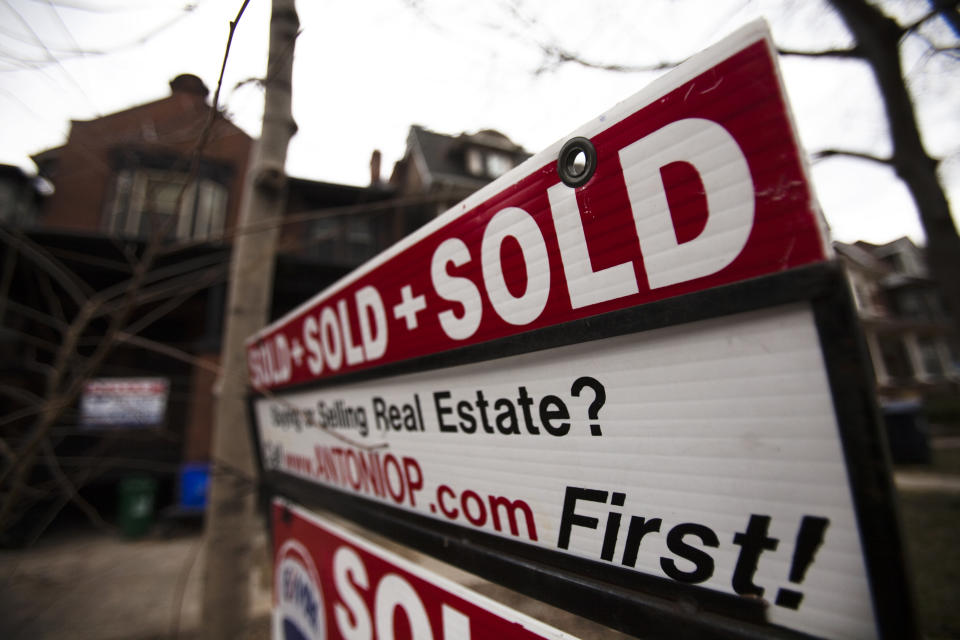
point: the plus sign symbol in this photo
(409, 306)
(297, 352)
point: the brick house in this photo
(122, 174)
(118, 182)
(124, 179)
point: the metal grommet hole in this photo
(577, 162)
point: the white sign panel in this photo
(705, 453)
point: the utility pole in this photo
(231, 521)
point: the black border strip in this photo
(867, 460)
(630, 601)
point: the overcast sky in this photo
(365, 71)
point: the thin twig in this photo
(74, 287)
(167, 350)
(853, 53)
(824, 154)
(53, 301)
(70, 492)
(19, 393)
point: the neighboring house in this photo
(122, 174)
(118, 182)
(126, 179)
(449, 168)
(912, 341)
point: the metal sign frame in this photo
(626, 600)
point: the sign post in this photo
(638, 381)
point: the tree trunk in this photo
(231, 521)
(878, 37)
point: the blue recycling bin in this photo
(194, 484)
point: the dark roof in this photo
(439, 153)
(444, 156)
(861, 256)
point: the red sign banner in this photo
(329, 583)
(697, 182)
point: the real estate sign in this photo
(330, 583)
(631, 365)
(115, 403)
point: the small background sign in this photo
(124, 403)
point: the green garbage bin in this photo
(136, 499)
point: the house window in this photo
(895, 358)
(150, 201)
(323, 238)
(360, 240)
(930, 356)
(895, 262)
(475, 162)
(498, 164)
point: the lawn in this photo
(931, 523)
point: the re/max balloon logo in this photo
(299, 598)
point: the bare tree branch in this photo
(27, 412)
(53, 301)
(189, 283)
(19, 393)
(8, 453)
(36, 341)
(69, 491)
(947, 9)
(167, 350)
(854, 53)
(214, 104)
(555, 56)
(933, 49)
(94, 260)
(163, 275)
(74, 287)
(68, 53)
(824, 154)
(161, 311)
(36, 316)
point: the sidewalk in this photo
(96, 586)
(926, 481)
(92, 586)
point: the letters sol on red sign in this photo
(329, 583)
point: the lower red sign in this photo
(329, 583)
